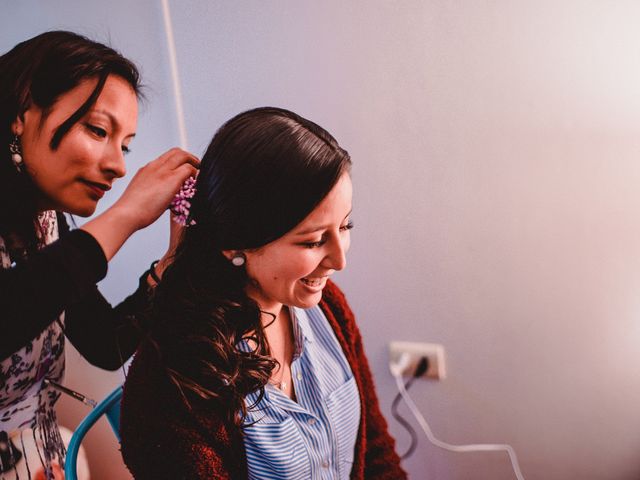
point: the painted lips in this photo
(97, 189)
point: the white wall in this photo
(497, 198)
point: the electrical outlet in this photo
(434, 352)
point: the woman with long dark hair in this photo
(68, 112)
(254, 366)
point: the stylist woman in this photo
(68, 108)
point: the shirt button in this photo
(311, 421)
(299, 376)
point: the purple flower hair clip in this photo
(181, 203)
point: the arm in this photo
(162, 449)
(166, 450)
(35, 292)
(107, 336)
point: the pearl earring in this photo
(16, 153)
(238, 259)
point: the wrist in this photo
(111, 229)
(153, 278)
(125, 216)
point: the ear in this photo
(17, 126)
(31, 114)
(229, 253)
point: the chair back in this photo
(110, 407)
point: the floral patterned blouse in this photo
(26, 400)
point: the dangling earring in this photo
(238, 259)
(16, 153)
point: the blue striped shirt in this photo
(313, 437)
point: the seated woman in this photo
(254, 367)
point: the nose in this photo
(337, 256)
(114, 164)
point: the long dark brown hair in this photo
(37, 72)
(263, 173)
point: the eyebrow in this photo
(320, 227)
(112, 119)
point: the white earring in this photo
(16, 153)
(238, 259)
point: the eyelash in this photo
(344, 228)
(102, 133)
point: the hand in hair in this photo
(148, 195)
(153, 187)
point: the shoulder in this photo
(339, 315)
(151, 396)
(160, 432)
(151, 403)
(149, 392)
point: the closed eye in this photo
(322, 241)
(97, 131)
(346, 227)
(313, 244)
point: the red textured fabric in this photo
(162, 439)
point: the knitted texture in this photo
(163, 439)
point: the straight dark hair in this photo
(37, 72)
(263, 173)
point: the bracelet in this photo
(152, 271)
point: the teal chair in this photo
(110, 407)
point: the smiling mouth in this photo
(314, 282)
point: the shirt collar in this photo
(302, 331)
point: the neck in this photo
(279, 335)
(271, 313)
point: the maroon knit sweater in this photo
(161, 439)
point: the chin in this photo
(309, 301)
(85, 210)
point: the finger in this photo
(180, 175)
(178, 158)
(185, 171)
(175, 151)
(194, 161)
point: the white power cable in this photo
(173, 62)
(396, 370)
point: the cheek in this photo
(284, 269)
(306, 264)
(291, 270)
(81, 151)
(36, 155)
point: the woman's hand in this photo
(147, 196)
(153, 187)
